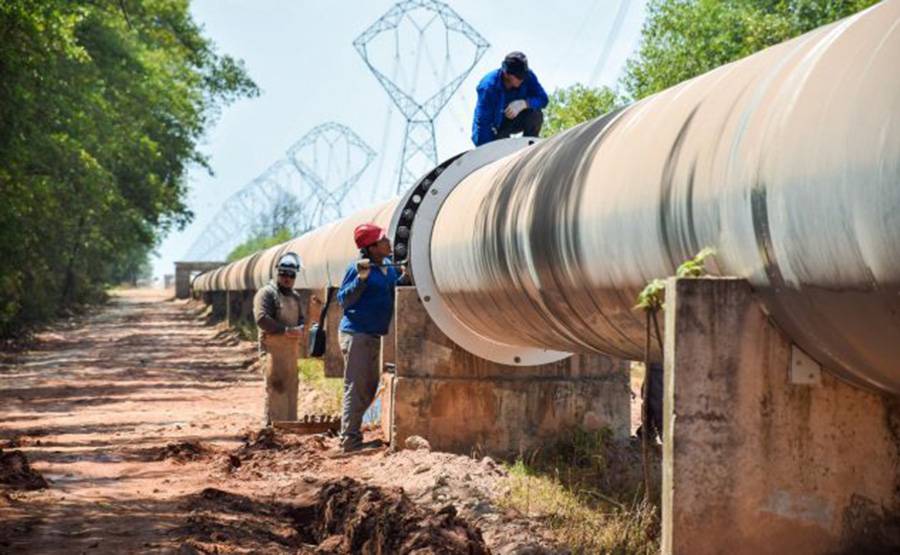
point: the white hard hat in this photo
(289, 262)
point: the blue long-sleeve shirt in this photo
(368, 305)
(493, 98)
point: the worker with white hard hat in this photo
(279, 315)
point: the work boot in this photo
(351, 446)
(351, 443)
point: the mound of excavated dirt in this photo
(266, 438)
(270, 439)
(16, 473)
(351, 517)
(342, 517)
(183, 451)
(269, 450)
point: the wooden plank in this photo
(309, 424)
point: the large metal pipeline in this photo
(325, 251)
(787, 163)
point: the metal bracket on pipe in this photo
(420, 259)
(804, 370)
(406, 210)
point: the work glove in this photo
(294, 331)
(404, 278)
(514, 108)
(363, 267)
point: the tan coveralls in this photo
(279, 352)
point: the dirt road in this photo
(144, 420)
(94, 406)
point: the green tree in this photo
(576, 104)
(102, 104)
(284, 220)
(132, 267)
(258, 243)
(285, 213)
(685, 38)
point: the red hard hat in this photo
(367, 234)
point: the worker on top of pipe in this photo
(367, 297)
(510, 100)
(279, 315)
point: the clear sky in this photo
(300, 53)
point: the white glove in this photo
(514, 107)
(363, 267)
(294, 331)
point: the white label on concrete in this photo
(804, 370)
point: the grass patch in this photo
(638, 371)
(246, 329)
(312, 373)
(588, 489)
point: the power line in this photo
(610, 41)
(575, 38)
(261, 201)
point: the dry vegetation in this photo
(588, 490)
(330, 390)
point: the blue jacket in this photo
(368, 305)
(493, 98)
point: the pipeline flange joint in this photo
(405, 213)
(440, 184)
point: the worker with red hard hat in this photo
(367, 297)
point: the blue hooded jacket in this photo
(493, 98)
(368, 305)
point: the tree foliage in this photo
(282, 222)
(685, 38)
(259, 242)
(285, 213)
(132, 266)
(102, 104)
(573, 105)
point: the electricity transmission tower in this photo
(411, 28)
(303, 191)
(269, 203)
(330, 158)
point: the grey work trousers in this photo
(362, 354)
(282, 381)
(528, 122)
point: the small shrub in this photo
(587, 488)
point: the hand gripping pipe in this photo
(787, 163)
